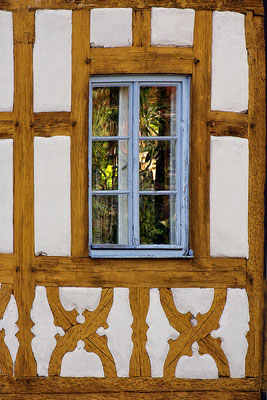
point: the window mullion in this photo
(135, 169)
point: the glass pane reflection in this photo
(110, 165)
(157, 111)
(157, 220)
(110, 219)
(110, 114)
(157, 165)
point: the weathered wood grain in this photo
(57, 385)
(222, 5)
(137, 396)
(139, 302)
(6, 125)
(141, 60)
(7, 268)
(228, 124)
(141, 27)
(6, 363)
(257, 140)
(52, 124)
(200, 139)
(24, 189)
(79, 135)
(206, 272)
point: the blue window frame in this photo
(139, 166)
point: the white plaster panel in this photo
(6, 62)
(229, 197)
(8, 323)
(233, 329)
(158, 334)
(119, 332)
(52, 60)
(80, 298)
(6, 195)
(197, 366)
(52, 195)
(193, 300)
(80, 363)
(44, 330)
(172, 27)
(229, 62)
(111, 27)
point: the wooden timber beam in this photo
(203, 272)
(222, 5)
(60, 385)
(137, 60)
(228, 124)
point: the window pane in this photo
(157, 167)
(110, 219)
(157, 220)
(110, 114)
(110, 165)
(157, 111)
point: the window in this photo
(138, 166)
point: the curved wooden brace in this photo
(200, 333)
(98, 345)
(62, 317)
(6, 363)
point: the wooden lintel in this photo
(7, 267)
(203, 272)
(52, 124)
(6, 124)
(131, 60)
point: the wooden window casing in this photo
(22, 271)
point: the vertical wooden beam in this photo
(23, 22)
(140, 363)
(142, 27)
(79, 136)
(257, 139)
(200, 140)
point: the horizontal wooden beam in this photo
(225, 5)
(57, 385)
(52, 124)
(6, 125)
(228, 124)
(140, 60)
(202, 272)
(7, 268)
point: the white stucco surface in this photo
(52, 60)
(6, 195)
(44, 330)
(8, 323)
(158, 334)
(229, 62)
(80, 363)
(197, 366)
(193, 300)
(6, 62)
(233, 329)
(229, 197)
(172, 27)
(111, 27)
(119, 332)
(52, 195)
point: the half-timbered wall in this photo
(152, 328)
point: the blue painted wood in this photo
(135, 250)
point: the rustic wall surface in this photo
(87, 318)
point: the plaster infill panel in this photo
(6, 196)
(111, 27)
(52, 60)
(6, 62)
(52, 195)
(229, 197)
(229, 63)
(172, 27)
